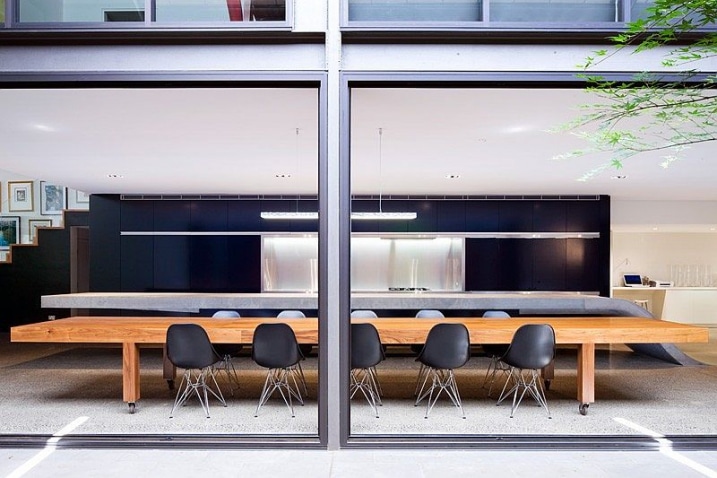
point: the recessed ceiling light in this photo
(655, 228)
(44, 127)
(619, 176)
(713, 228)
(115, 176)
(453, 176)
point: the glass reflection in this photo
(415, 11)
(38, 11)
(87, 11)
(221, 11)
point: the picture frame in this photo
(81, 197)
(20, 196)
(33, 224)
(9, 231)
(53, 199)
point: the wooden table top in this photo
(568, 330)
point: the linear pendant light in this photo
(379, 215)
(358, 216)
(289, 215)
(292, 215)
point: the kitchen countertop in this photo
(543, 302)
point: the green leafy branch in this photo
(649, 113)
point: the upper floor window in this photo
(505, 11)
(415, 10)
(238, 12)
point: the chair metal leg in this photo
(303, 379)
(524, 381)
(441, 379)
(194, 382)
(420, 380)
(495, 367)
(364, 380)
(226, 365)
(280, 379)
(376, 385)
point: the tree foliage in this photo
(655, 112)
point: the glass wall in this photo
(235, 140)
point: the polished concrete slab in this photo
(46, 387)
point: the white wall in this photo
(673, 216)
(650, 236)
(652, 253)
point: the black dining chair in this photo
(447, 348)
(531, 349)
(189, 347)
(416, 348)
(366, 354)
(363, 314)
(275, 347)
(496, 368)
(296, 314)
(227, 352)
(426, 314)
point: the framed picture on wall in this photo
(82, 197)
(20, 196)
(33, 224)
(52, 199)
(9, 231)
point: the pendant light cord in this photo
(380, 169)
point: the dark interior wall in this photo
(36, 271)
(231, 263)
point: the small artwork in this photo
(34, 224)
(82, 197)
(9, 231)
(52, 199)
(20, 196)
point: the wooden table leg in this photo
(586, 376)
(130, 374)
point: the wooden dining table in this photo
(583, 332)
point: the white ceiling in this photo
(235, 141)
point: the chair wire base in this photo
(496, 368)
(195, 382)
(524, 381)
(366, 381)
(226, 365)
(285, 381)
(420, 379)
(441, 379)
